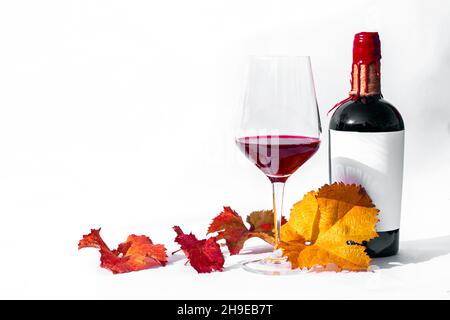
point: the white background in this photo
(119, 114)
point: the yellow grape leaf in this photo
(328, 227)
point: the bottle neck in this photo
(366, 80)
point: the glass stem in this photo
(278, 195)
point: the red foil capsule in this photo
(366, 51)
(366, 48)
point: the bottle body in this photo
(366, 147)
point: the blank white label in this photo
(375, 161)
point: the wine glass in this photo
(279, 130)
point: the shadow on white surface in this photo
(256, 250)
(234, 266)
(416, 251)
(176, 257)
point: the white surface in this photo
(375, 161)
(119, 114)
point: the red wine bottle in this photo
(366, 143)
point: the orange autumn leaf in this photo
(329, 226)
(230, 227)
(137, 253)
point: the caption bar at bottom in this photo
(225, 310)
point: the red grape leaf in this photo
(204, 255)
(137, 253)
(230, 227)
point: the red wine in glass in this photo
(278, 156)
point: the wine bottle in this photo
(366, 143)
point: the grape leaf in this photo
(328, 226)
(137, 253)
(230, 227)
(204, 255)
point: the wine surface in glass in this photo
(278, 156)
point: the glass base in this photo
(273, 265)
